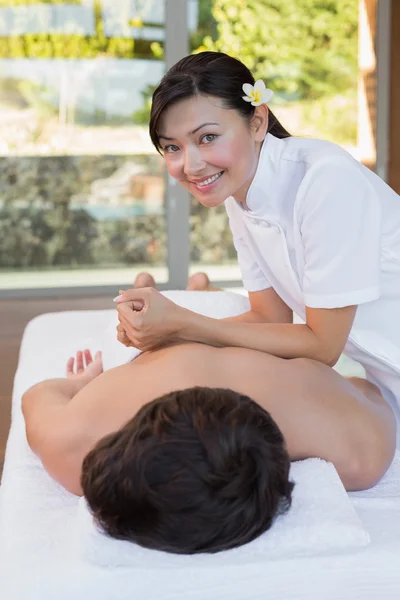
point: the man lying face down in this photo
(196, 470)
(187, 448)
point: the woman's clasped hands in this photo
(147, 319)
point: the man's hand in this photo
(83, 368)
(49, 431)
(148, 319)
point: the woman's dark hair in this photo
(207, 73)
(197, 470)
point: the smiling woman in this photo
(214, 151)
(214, 160)
(203, 183)
(289, 200)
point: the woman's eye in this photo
(209, 137)
(171, 148)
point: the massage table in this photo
(42, 540)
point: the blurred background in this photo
(85, 202)
(84, 197)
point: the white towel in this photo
(320, 521)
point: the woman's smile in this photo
(207, 184)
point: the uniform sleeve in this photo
(253, 278)
(340, 229)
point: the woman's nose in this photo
(193, 163)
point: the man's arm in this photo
(50, 432)
(43, 407)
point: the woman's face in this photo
(211, 150)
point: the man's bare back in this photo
(320, 413)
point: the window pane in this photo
(82, 199)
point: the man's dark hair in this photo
(196, 470)
(207, 73)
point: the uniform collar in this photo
(261, 196)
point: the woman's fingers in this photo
(127, 318)
(128, 330)
(138, 326)
(121, 331)
(130, 318)
(136, 297)
(122, 337)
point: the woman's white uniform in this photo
(324, 232)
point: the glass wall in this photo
(82, 189)
(83, 195)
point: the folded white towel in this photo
(218, 305)
(320, 521)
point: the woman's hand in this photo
(148, 319)
(82, 368)
(122, 337)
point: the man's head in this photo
(197, 470)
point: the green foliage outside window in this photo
(305, 50)
(301, 48)
(76, 46)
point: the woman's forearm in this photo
(286, 340)
(248, 317)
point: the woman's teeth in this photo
(210, 179)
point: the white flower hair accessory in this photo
(257, 94)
